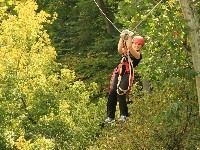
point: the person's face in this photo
(137, 46)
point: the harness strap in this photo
(131, 71)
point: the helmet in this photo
(138, 39)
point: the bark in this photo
(146, 85)
(191, 16)
(134, 1)
(109, 25)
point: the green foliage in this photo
(166, 118)
(62, 31)
(46, 105)
(42, 106)
(101, 56)
(158, 121)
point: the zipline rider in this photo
(123, 75)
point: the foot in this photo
(109, 120)
(122, 118)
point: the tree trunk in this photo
(146, 85)
(109, 25)
(190, 14)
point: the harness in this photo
(125, 67)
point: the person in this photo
(123, 75)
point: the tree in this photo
(63, 30)
(167, 118)
(42, 105)
(190, 11)
(102, 8)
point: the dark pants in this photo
(113, 96)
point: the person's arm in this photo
(135, 53)
(121, 48)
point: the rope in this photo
(147, 14)
(121, 91)
(136, 25)
(107, 17)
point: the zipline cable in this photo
(147, 14)
(136, 25)
(107, 17)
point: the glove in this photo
(122, 35)
(125, 34)
(130, 33)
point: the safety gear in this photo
(122, 35)
(125, 34)
(123, 68)
(130, 33)
(138, 39)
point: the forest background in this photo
(56, 61)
